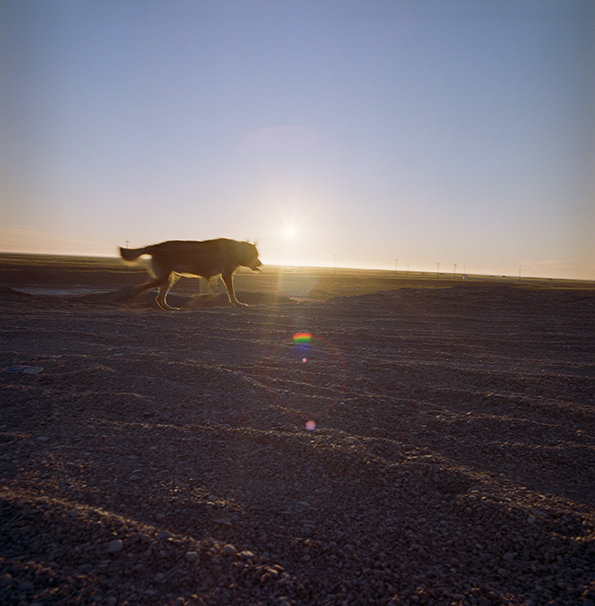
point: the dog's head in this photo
(249, 256)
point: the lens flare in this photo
(306, 376)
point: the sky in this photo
(391, 134)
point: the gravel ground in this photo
(422, 447)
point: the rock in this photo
(25, 586)
(229, 550)
(191, 556)
(115, 546)
(222, 521)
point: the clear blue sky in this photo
(451, 132)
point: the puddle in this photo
(61, 292)
(23, 370)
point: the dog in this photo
(175, 258)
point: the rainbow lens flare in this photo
(306, 376)
(300, 338)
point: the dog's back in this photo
(207, 258)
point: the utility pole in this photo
(438, 267)
(396, 265)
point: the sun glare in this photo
(290, 232)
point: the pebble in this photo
(229, 549)
(191, 556)
(115, 546)
(25, 586)
(222, 521)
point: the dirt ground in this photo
(346, 439)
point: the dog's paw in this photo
(167, 307)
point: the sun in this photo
(290, 232)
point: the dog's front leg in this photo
(231, 294)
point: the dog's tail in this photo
(132, 254)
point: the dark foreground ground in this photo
(163, 458)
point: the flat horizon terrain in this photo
(62, 272)
(428, 439)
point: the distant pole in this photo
(455, 270)
(519, 273)
(334, 263)
(438, 267)
(396, 264)
(127, 241)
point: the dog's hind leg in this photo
(164, 289)
(147, 286)
(162, 275)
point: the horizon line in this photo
(402, 272)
